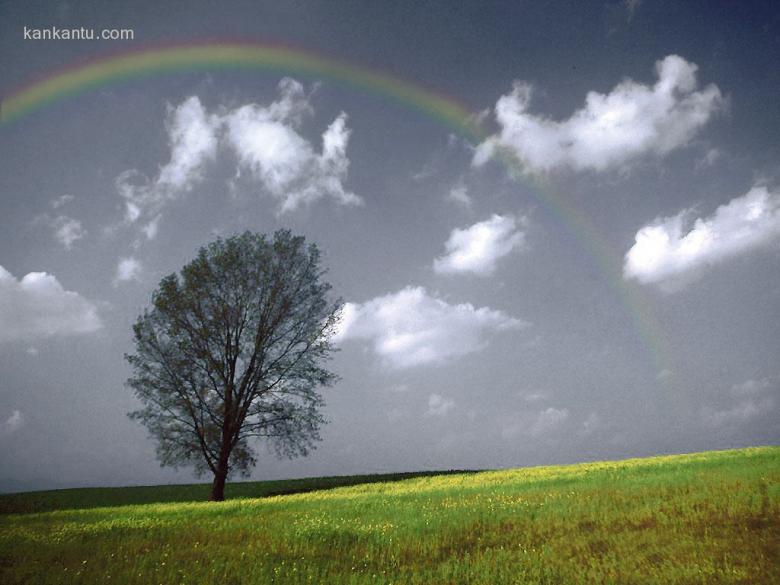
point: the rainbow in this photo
(161, 60)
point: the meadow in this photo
(709, 517)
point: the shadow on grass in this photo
(87, 498)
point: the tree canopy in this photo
(233, 349)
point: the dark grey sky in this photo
(484, 327)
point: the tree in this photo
(232, 349)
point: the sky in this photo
(593, 273)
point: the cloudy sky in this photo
(597, 275)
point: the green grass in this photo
(701, 518)
(84, 498)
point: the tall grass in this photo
(701, 518)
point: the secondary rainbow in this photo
(448, 111)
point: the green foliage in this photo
(701, 518)
(233, 349)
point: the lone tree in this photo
(232, 349)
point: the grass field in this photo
(84, 498)
(701, 518)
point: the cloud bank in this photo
(674, 250)
(476, 249)
(37, 306)
(412, 328)
(610, 129)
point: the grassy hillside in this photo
(701, 518)
(84, 498)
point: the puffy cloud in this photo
(193, 139)
(61, 201)
(37, 307)
(753, 399)
(65, 229)
(412, 328)
(439, 406)
(712, 156)
(268, 145)
(751, 387)
(737, 414)
(610, 129)
(476, 249)
(535, 424)
(673, 250)
(12, 423)
(128, 269)
(459, 195)
(547, 420)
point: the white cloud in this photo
(548, 420)
(476, 249)
(128, 269)
(439, 406)
(737, 414)
(712, 156)
(535, 424)
(192, 135)
(459, 195)
(12, 423)
(150, 229)
(38, 307)
(67, 230)
(411, 327)
(193, 139)
(751, 387)
(610, 129)
(674, 250)
(631, 7)
(61, 201)
(754, 398)
(268, 145)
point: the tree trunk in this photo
(223, 465)
(218, 486)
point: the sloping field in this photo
(84, 498)
(701, 518)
